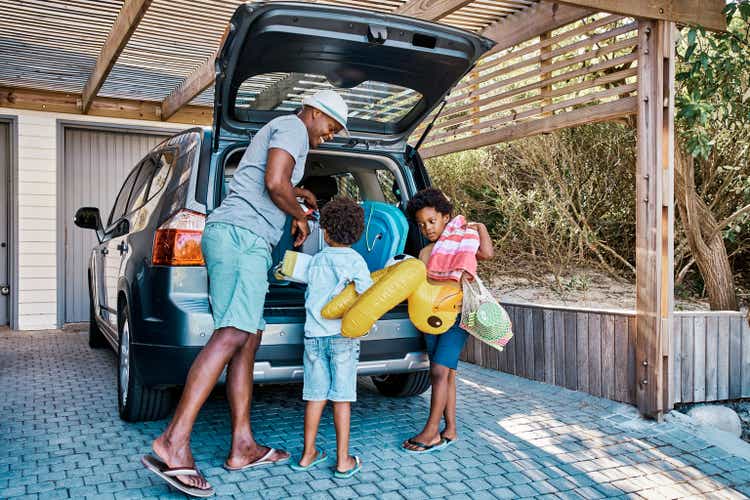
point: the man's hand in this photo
(310, 199)
(301, 230)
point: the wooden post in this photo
(654, 217)
(474, 92)
(545, 61)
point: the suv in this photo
(147, 282)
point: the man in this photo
(236, 245)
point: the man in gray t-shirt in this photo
(236, 246)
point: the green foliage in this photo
(714, 85)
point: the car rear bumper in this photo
(168, 366)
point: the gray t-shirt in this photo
(248, 204)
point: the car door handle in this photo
(122, 247)
(104, 251)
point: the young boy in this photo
(432, 212)
(330, 362)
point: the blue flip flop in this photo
(346, 475)
(322, 457)
(426, 448)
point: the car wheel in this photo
(403, 384)
(96, 337)
(135, 401)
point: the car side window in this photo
(348, 186)
(163, 166)
(140, 186)
(121, 202)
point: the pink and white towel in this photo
(455, 252)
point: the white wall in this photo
(36, 187)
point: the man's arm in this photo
(278, 179)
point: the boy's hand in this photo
(475, 225)
(301, 229)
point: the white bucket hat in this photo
(332, 104)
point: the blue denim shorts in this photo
(330, 369)
(444, 349)
(237, 261)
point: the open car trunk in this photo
(372, 179)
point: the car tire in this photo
(135, 401)
(401, 385)
(96, 337)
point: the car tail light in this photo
(178, 241)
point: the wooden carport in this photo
(555, 65)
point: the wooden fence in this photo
(594, 351)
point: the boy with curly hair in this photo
(330, 361)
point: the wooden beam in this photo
(198, 81)
(430, 10)
(590, 114)
(706, 13)
(532, 22)
(654, 216)
(123, 28)
(272, 96)
(62, 102)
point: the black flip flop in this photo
(170, 476)
(426, 448)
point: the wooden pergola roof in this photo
(556, 64)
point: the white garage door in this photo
(95, 165)
(4, 226)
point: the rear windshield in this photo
(370, 100)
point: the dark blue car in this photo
(147, 282)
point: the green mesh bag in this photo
(483, 317)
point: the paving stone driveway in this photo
(60, 437)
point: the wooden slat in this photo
(571, 379)
(688, 359)
(603, 65)
(528, 341)
(699, 360)
(532, 22)
(582, 351)
(545, 110)
(62, 102)
(622, 383)
(706, 13)
(712, 358)
(595, 354)
(590, 114)
(735, 358)
(463, 90)
(617, 76)
(677, 350)
(549, 347)
(632, 371)
(722, 365)
(520, 330)
(122, 29)
(608, 356)
(595, 50)
(560, 361)
(539, 358)
(431, 10)
(510, 349)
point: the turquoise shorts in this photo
(237, 261)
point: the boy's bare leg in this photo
(430, 435)
(173, 446)
(450, 430)
(342, 413)
(313, 413)
(240, 394)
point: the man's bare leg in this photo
(240, 394)
(313, 413)
(173, 446)
(450, 431)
